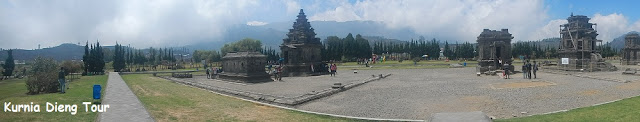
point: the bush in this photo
(71, 67)
(416, 59)
(43, 76)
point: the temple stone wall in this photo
(244, 67)
(631, 50)
(578, 45)
(494, 46)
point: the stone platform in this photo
(289, 91)
(418, 93)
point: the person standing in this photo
(524, 70)
(269, 67)
(334, 68)
(506, 71)
(208, 75)
(529, 70)
(279, 74)
(535, 69)
(215, 73)
(61, 79)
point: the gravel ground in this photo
(418, 93)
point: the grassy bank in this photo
(168, 101)
(621, 111)
(81, 90)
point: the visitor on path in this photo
(279, 73)
(269, 67)
(524, 70)
(529, 70)
(535, 69)
(61, 79)
(333, 69)
(215, 73)
(506, 71)
(208, 75)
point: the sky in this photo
(26, 24)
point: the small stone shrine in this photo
(301, 50)
(631, 49)
(578, 46)
(245, 67)
(493, 47)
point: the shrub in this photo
(71, 67)
(43, 76)
(416, 59)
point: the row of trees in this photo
(207, 55)
(271, 54)
(126, 56)
(244, 45)
(93, 59)
(607, 51)
(529, 50)
(347, 48)
(415, 48)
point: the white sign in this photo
(565, 60)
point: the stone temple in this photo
(578, 46)
(494, 46)
(631, 50)
(245, 67)
(301, 50)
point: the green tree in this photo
(447, 50)
(119, 63)
(9, 65)
(43, 76)
(93, 58)
(247, 44)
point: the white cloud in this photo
(141, 23)
(610, 26)
(256, 23)
(450, 19)
(292, 6)
(552, 29)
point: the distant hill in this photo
(272, 34)
(618, 43)
(64, 51)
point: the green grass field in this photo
(621, 111)
(81, 90)
(168, 101)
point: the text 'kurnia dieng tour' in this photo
(54, 107)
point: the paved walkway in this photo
(124, 106)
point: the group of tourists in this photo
(528, 69)
(277, 72)
(212, 72)
(332, 69)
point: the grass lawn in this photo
(81, 90)
(168, 101)
(621, 111)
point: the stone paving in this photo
(290, 91)
(124, 106)
(418, 93)
(290, 86)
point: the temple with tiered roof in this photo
(301, 50)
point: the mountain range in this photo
(271, 36)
